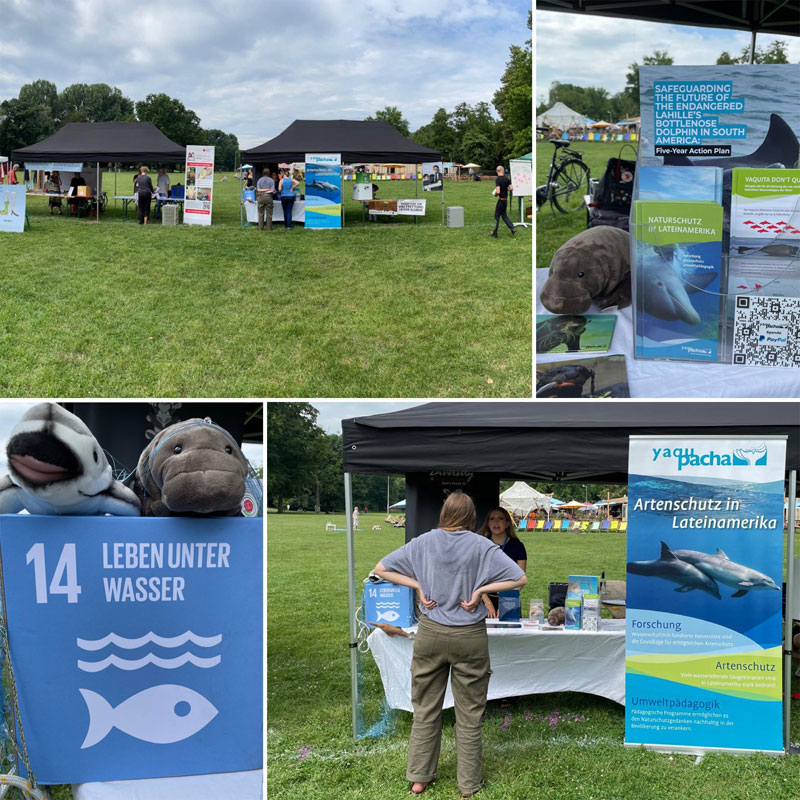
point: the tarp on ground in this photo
(546, 441)
(520, 499)
(560, 116)
(374, 142)
(116, 142)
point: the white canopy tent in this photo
(559, 116)
(520, 499)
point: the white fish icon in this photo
(161, 715)
(387, 616)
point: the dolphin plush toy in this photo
(191, 468)
(57, 467)
(593, 265)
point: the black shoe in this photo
(493, 234)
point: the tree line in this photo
(40, 109)
(598, 103)
(470, 133)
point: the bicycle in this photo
(567, 180)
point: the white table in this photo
(298, 211)
(524, 661)
(128, 199)
(241, 785)
(649, 378)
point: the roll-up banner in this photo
(199, 196)
(323, 190)
(705, 561)
(12, 209)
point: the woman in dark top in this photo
(143, 187)
(500, 528)
(287, 187)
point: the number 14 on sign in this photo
(65, 577)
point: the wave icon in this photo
(161, 715)
(161, 641)
(150, 658)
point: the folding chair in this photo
(540, 525)
(614, 525)
(595, 526)
(548, 525)
(623, 526)
(523, 525)
(576, 526)
(564, 524)
(606, 525)
(585, 525)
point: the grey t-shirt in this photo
(265, 183)
(450, 566)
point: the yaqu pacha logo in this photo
(691, 457)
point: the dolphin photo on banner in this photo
(704, 620)
(323, 190)
(135, 644)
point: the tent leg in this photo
(351, 598)
(753, 48)
(787, 646)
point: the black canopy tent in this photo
(374, 142)
(442, 446)
(358, 141)
(114, 142)
(778, 17)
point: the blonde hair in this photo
(143, 170)
(511, 528)
(458, 513)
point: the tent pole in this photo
(351, 598)
(753, 48)
(787, 645)
(442, 193)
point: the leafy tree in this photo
(171, 117)
(292, 450)
(30, 117)
(775, 53)
(438, 134)
(632, 77)
(226, 146)
(514, 98)
(96, 102)
(393, 116)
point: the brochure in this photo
(577, 587)
(574, 333)
(680, 183)
(677, 253)
(604, 376)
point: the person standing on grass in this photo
(451, 569)
(143, 188)
(162, 189)
(501, 187)
(288, 185)
(265, 195)
(355, 518)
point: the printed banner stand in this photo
(199, 193)
(704, 617)
(135, 644)
(12, 208)
(323, 190)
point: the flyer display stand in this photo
(715, 220)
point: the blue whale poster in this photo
(135, 644)
(323, 190)
(703, 667)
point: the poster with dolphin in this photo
(135, 644)
(323, 190)
(704, 570)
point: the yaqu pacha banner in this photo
(135, 644)
(323, 190)
(704, 621)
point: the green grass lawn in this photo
(378, 310)
(312, 756)
(552, 230)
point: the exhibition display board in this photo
(136, 643)
(199, 198)
(12, 209)
(715, 226)
(705, 564)
(323, 190)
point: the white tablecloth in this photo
(524, 661)
(681, 378)
(239, 785)
(298, 211)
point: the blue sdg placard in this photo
(135, 643)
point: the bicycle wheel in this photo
(570, 184)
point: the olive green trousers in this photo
(461, 652)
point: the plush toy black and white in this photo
(56, 466)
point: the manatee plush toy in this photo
(57, 467)
(594, 265)
(191, 468)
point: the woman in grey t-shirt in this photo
(451, 569)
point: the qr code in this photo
(766, 332)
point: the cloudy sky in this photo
(252, 68)
(331, 413)
(600, 49)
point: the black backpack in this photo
(611, 204)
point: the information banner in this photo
(323, 190)
(704, 623)
(135, 643)
(199, 196)
(12, 209)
